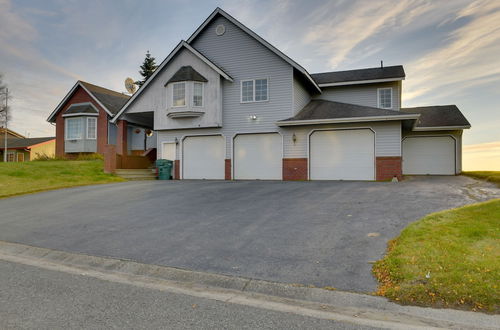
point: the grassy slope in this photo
(29, 177)
(492, 176)
(459, 249)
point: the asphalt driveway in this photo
(319, 233)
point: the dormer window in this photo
(179, 94)
(385, 98)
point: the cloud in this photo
(482, 156)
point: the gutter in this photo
(441, 128)
(345, 120)
(358, 82)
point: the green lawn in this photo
(492, 176)
(447, 259)
(29, 177)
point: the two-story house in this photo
(226, 104)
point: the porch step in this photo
(136, 174)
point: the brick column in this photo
(177, 169)
(227, 169)
(294, 169)
(389, 167)
(121, 138)
(109, 158)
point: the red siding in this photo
(80, 96)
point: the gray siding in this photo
(81, 145)
(361, 94)
(300, 96)
(457, 135)
(112, 133)
(136, 140)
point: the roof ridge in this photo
(104, 89)
(372, 68)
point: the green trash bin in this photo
(164, 169)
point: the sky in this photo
(450, 50)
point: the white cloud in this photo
(482, 157)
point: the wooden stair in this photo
(137, 174)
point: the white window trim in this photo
(185, 94)
(202, 94)
(253, 96)
(13, 154)
(66, 129)
(95, 128)
(378, 98)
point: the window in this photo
(179, 94)
(256, 90)
(91, 128)
(385, 98)
(197, 94)
(10, 157)
(74, 129)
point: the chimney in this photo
(381, 64)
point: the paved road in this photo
(319, 233)
(34, 298)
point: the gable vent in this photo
(220, 29)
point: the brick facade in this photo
(388, 167)
(294, 169)
(81, 96)
(121, 137)
(227, 169)
(177, 169)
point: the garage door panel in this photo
(342, 155)
(203, 157)
(258, 156)
(429, 155)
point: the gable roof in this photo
(438, 117)
(111, 101)
(369, 75)
(322, 112)
(180, 45)
(28, 142)
(219, 11)
(186, 73)
(9, 132)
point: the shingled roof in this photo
(438, 116)
(81, 108)
(186, 73)
(112, 100)
(322, 110)
(26, 143)
(339, 77)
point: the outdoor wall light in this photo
(294, 138)
(253, 117)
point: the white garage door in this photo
(342, 155)
(203, 157)
(258, 156)
(429, 155)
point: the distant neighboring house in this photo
(226, 104)
(21, 149)
(82, 122)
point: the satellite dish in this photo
(129, 85)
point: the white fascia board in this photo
(345, 120)
(441, 128)
(181, 44)
(359, 82)
(258, 38)
(56, 110)
(81, 114)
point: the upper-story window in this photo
(74, 128)
(179, 94)
(91, 128)
(197, 94)
(385, 98)
(255, 90)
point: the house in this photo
(226, 104)
(83, 125)
(22, 149)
